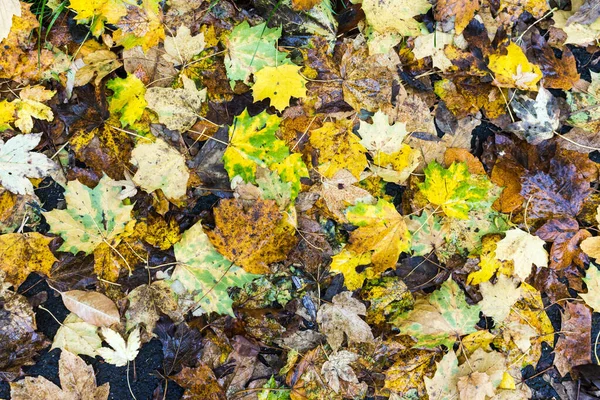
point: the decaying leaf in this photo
(343, 318)
(539, 118)
(573, 348)
(77, 381)
(23, 253)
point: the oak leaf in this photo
(279, 84)
(342, 317)
(23, 253)
(77, 380)
(93, 216)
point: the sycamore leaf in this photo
(178, 109)
(396, 16)
(279, 84)
(539, 117)
(120, 352)
(441, 318)
(443, 384)
(17, 163)
(8, 8)
(92, 217)
(160, 166)
(127, 99)
(181, 48)
(343, 317)
(592, 281)
(252, 144)
(455, 190)
(381, 136)
(523, 249)
(380, 238)
(92, 307)
(250, 49)
(499, 297)
(337, 367)
(206, 273)
(77, 380)
(98, 12)
(23, 253)
(513, 70)
(77, 336)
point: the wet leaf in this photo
(539, 118)
(572, 348)
(199, 383)
(513, 70)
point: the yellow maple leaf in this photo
(279, 84)
(489, 263)
(513, 70)
(99, 12)
(23, 253)
(338, 148)
(20, 112)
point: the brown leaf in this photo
(463, 155)
(76, 379)
(587, 13)
(199, 383)
(506, 175)
(573, 346)
(252, 237)
(92, 307)
(559, 73)
(19, 342)
(566, 237)
(462, 10)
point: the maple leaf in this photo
(524, 250)
(98, 12)
(513, 70)
(338, 367)
(127, 99)
(339, 192)
(250, 49)
(455, 190)
(77, 379)
(20, 112)
(160, 166)
(120, 352)
(592, 281)
(539, 117)
(577, 32)
(252, 237)
(343, 317)
(141, 26)
(386, 16)
(338, 149)
(77, 336)
(279, 84)
(178, 109)
(206, 273)
(381, 136)
(181, 345)
(427, 233)
(462, 11)
(9, 8)
(488, 262)
(499, 297)
(181, 48)
(17, 163)
(433, 45)
(23, 253)
(93, 216)
(440, 318)
(253, 143)
(379, 239)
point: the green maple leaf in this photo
(92, 217)
(127, 99)
(455, 190)
(251, 48)
(440, 318)
(253, 143)
(204, 272)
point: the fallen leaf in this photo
(142, 26)
(513, 70)
(395, 15)
(199, 383)
(99, 63)
(499, 297)
(77, 336)
(381, 136)
(92, 307)
(339, 192)
(24, 253)
(17, 163)
(524, 250)
(342, 317)
(440, 318)
(572, 348)
(279, 84)
(98, 13)
(181, 48)
(592, 281)
(77, 380)
(119, 353)
(181, 345)
(9, 8)
(337, 368)
(127, 99)
(160, 166)
(443, 383)
(93, 216)
(539, 118)
(462, 11)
